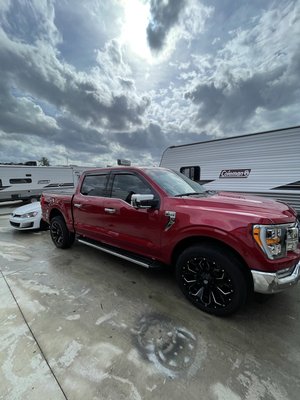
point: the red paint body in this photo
(224, 217)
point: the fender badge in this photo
(172, 218)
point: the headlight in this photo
(29, 215)
(276, 240)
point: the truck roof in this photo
(120, 168)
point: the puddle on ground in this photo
(172, 349)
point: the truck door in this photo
(133, 229)
(88, 206)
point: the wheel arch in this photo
(194, 240)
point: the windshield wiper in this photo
(189, 194)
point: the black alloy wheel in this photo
(212, 279)
(60, 234)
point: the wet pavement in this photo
(78, 323)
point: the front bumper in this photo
(272, 282)
(25, 223)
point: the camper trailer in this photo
(22, 182)
(266, 164)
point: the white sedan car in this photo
(27, 217)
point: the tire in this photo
(212, 279)
(60, 235)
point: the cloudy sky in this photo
(91, 81)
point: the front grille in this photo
(292, 238)
(17, 215)
(15, 224)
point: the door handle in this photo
(77, 205)
(110, 210)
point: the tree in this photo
(44, 161)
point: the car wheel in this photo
(61, 236)
(212, 279)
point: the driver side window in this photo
(125, 185)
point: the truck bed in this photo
(62, 200)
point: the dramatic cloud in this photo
(109, 79)
(164, 15)
(238, 100)
(22, 115)
(256, 72)
(139, 141)
(37, 70)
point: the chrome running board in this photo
(143, 262)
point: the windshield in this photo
(175, 183)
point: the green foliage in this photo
(44, 161)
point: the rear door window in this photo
(94, 185)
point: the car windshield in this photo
(175, 183)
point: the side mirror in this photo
(143, 201)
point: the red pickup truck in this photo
(222, 245)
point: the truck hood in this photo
(245, 205)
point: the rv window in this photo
(0, 183)
(20, 180)
(94, 185)
(191, 172)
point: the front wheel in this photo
(212, 279)
(61, 236)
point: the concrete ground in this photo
(80, 324)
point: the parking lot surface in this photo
(80, 324)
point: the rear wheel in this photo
(212, 279)
(61, 236)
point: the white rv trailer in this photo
(21, 182)
(266, 164)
